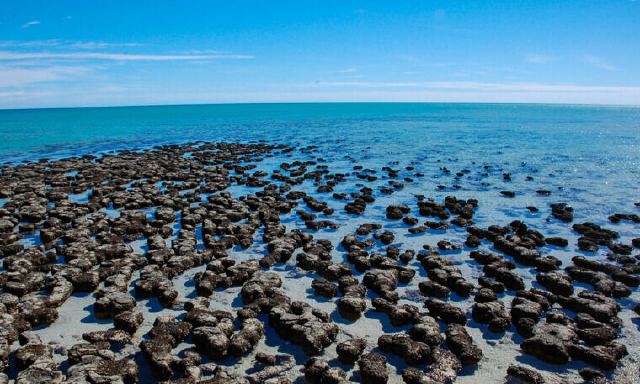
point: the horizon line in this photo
(605, 105)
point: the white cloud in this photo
(19, 76)
(60, 43)
(29, 43)
(100, 44)
(202, 52)
(30, 76)
(473, 86)
(44, 72)
(30, 24)
(348, 70)
(183, 96)
(538, 59)
(11, 94)
(600, 63)
(8, 55)
(470, 91)
(22, 94)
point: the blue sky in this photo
(93, 53)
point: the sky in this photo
(67, 53)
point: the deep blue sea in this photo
(586, 156)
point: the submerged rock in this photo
(551, 343)
(413, 352)
(350, 350)
(176, 202)
(525, 375)
(373, 368)
(462, 345)
(303, 325)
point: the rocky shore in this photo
(260, 263)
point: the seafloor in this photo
(267, 263)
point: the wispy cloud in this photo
(12, 94)
(201, 52)
(538, 59)
(471, 73)
(30, 24)
(473, 86)
(9, 55)
(20, 76)
(127, 95)
(52, 50)
(43, 68)
(100, 44)
(600, 63)
(29, 43)
(348, 70)
(420, 62)
(64, 44)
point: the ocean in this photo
(592, 152)
(585, 156)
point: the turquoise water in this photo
(49, 132)
(588, 148)
(586, 156)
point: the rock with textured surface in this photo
(462, 345)
(373, 368)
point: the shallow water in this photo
(586, 156)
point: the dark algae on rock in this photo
(264, 263)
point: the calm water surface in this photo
(586, 156)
